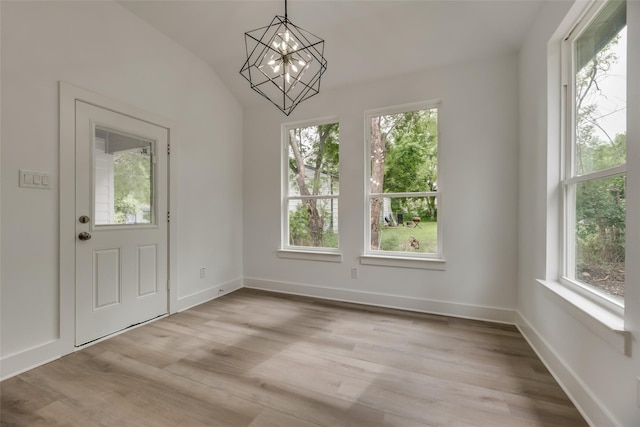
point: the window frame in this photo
(293, 251)
(435, 261)
(568, 178)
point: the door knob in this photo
(84, 236)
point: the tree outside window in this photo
(312, 186)
(403, 182)
(595, 178)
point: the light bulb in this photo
(276, 68)
(295, 69)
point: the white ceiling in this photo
(364, 40)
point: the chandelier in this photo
(284, 62)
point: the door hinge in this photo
(168, 216)
(168, 149)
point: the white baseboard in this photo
(589, 406)
(197, 298)
(493, 314)
(17, 363)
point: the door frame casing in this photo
(68, 96)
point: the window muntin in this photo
(402, 170)
(595, 172)
(311, 186)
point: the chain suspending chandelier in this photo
(284, 62)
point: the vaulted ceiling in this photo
(364, 40)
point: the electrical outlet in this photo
(355, 273)
(203, 273)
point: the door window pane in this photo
(123, 178)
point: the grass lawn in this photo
(398, 238)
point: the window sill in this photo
(404, 262)
(607, 325)
(310, 255)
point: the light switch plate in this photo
(31, 179)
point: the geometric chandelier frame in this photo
(284, 62)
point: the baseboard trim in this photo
(592, 409)
(23, 361)
(200, 297)
(422, 305)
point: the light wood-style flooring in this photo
(253, 358)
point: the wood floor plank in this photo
(260, 359)
(271, 418)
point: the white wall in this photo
(600, 379)
(101, 47)
(477, 174)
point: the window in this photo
(594, 183)
(311, 186)
(123, 178)
(402, 168)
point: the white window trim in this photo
(299, 252)
(606, 324)
(569, 178)
(599, 312)
(400, 259)
(302, 252)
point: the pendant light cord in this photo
(285, 10)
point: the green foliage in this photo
(298, 226)
(124, 206)
(600, 221)
(319, 151)
(600, 203)
(313, 170)
(411, 162)
(132, 183)
(300, 233)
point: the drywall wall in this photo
(599, 378)
(103, 48)
(477, 175)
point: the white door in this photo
(121, 221)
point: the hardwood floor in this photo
(254, 358)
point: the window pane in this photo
(313, 222)
(123, 179)
(404, 152)
(404, 224)
(314, 160)
(600, 234)
(600, 91)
